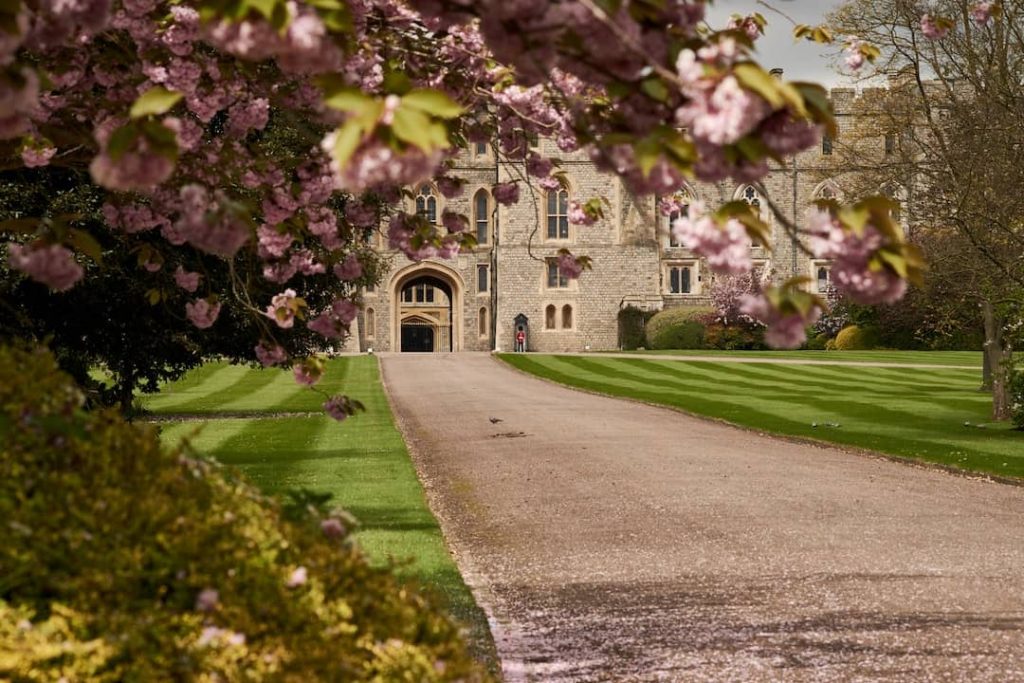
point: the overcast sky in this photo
(801, 61)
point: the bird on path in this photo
(495, 420)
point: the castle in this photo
(478, 300)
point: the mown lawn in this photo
(929, 414)
(363, 462)
(965, 358)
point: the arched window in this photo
(371, 324)
(549, 317)
(682, 201)
(558, 215)
(567, 317)
(426, 203)
(751, 196)
(482, 216)
(482, 322)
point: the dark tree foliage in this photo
(121, 318)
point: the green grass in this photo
(965, 358)
(915, 413)
(363, 462)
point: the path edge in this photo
(471, 576)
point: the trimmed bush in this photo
(673, 316)
(854, 338)
(688, 334)
(817, 342)
(126, 561)
(632, 321)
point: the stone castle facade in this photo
(471, 302)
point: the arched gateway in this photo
(426, 305)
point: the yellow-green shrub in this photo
(853, 338)
(110, 540)
(670, 317)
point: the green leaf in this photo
(155, 101)
(647, 153)
(85, 243)
(121, 140)
(415, 128)
(754, 78)
(655, 88)
(161, 139)
(153, 296)
(433, 102)
(346, 141)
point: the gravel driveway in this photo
(613, 541)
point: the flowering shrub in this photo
(124, 560)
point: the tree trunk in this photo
(999, 358)
(126, 393)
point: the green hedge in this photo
(1017, 398)
(126, 561)
(688, 334)
(673, 316)
(854, 338)
(632, 321)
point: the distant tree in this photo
(948, 144)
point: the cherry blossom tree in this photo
(178, 110)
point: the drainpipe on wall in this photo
(494, 262)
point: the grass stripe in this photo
(911, 412)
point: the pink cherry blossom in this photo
(207, 600)
(578, 216)
(726, 247)
(332, 527)
(202, 313)
(297, 578)
(271, 243)
(454, 222)
(981, 13)
(186, 280)
(931, 30)
(506, 193)
(450, 187)
(306, 374)
(783, 331)
(569, 266)
(723, 115)
(282, 309)
(349, 269)
(52, 265)
(335, 406)
(269, 354)
(34, 157)
(852, 56)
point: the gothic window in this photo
(426, 204)
(566, 317)
(558, 215)
(555, 279)
(890, 143)
(826, 145)
(481, 216)
(371, 324)
(482, 322)
(751, 196)
(684, 202)
(549, 317)
(482, 278)
(480, 149)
